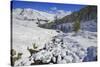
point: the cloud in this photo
(53, 8)
(59, 12)
(62, 13)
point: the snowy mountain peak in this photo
(28, 13)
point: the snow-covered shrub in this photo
(13, 52)
(15, 56)
(33, 50)
(34, 46)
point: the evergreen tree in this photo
(76, 25)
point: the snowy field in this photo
(47, 46)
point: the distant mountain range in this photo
(32, 14)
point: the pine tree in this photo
(76, 25)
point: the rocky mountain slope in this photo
(87, 17)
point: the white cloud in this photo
(59, 13)
(62, 13)
(53, 8)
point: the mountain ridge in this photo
(86, 14)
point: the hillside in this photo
(87, 14)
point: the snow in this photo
(53, 47)
(73, 52)
(54, 59)
(31, 14)
(89, 25)
(84, 40)
(26, 32)
(43, 55)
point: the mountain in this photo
(32, 15)
(25, 30)
(87, 17)
(40, 45)
(84, 14)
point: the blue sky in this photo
(42, 6)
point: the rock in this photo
(23, 61)
(63, 53)
(91, 54)
(56, 51)
(62, 62)
(68, 58)
(59, 59)
(54, 59)
(47, 57)
(57, 39)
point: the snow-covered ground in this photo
(24, 36)
(52, 47)
(64, 48)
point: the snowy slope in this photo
(52, 47)
(26, 32)
(30, 14)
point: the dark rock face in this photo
(91, 54)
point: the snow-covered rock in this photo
(54, 59)
(68, 58)
(59, 59)
(91, 54)
(73, 50)
(43, 55)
